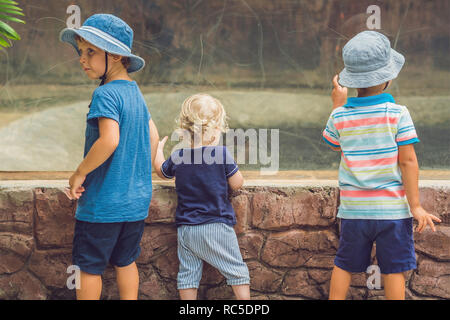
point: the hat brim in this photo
(68, 35)
(375, 77)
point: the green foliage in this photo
(7, 33)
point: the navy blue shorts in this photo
(97, 244)
(394, 245)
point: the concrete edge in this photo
(25, 184)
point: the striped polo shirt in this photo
(369, 130)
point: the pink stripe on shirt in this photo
(372, 162)
(365, 122)
(372, 193)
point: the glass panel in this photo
(269, 62)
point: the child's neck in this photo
(372, 91)
(362, 94)
(117, 74)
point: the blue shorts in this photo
(394, 245)
(215, 243)
(97, 244)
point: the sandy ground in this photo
(7, 117)
(52, 139)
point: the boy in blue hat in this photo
(378, 174)
(113, 183)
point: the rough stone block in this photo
(295, 248)
(14, 251)
(264, 279)
(435, 244)
(54, 212)
(50, 266)
(163, 206)
(241, 206)
(250, 244)
(156, 240)
(298, 282)
(436, 201)
(432, 279)
(22, 286)
(16, 210)
(276, 210)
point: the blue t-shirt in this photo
(121, 188)
(201, 184)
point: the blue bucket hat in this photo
(369, 61)
(108, 33)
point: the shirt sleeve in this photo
(231, 166)
(168, 168)
(330, 134)
(406, 132)
(103, 106)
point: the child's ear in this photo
(388, 84)
(116, 58)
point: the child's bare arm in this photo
(410, 175)
(339, 98)
(103, 148)
(236, 181)
(159, 158)
(154, 139)
(100, 151)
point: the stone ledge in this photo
(287, 232)
(279, 183)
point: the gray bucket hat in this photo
(369, 61)
(108, 33)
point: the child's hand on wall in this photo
(424, 218)
(76, 188)
(339, 94)
(79, 192)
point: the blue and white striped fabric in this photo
(215, 243)
(369, 130)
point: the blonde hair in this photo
(126, 62)
(202, 116)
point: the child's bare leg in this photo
(90, 286)
(339, 284)
(188, 294)
(394, 286)
(242, 292)
(128, 281)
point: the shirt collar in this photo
(370, 100)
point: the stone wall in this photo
(288, 235)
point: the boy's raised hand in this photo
(339, 94)
(424, 218)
